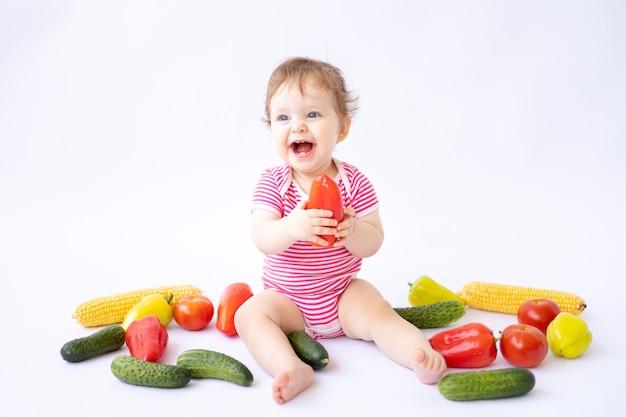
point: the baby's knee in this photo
(243, 313)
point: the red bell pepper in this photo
(471, 345)
(325, 194)
(231, 299)
(147, 339)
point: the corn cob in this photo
(504, 298)
(111, 309)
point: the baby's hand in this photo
(346, 227)
(309, 224)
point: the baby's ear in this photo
(345, 130)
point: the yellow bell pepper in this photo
(568, 335)
(426, 290)
(153, 304)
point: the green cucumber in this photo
(135, 371)
(308, 349)
(105, 340)
(430, 316)
(487, 384)
(203, 363)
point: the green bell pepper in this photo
(154, 304)
(568, 335)
(426, 290)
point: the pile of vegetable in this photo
(139, 320)
(546, 320)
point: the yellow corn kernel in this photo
(111, 309)
(504, 298)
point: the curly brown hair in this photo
(300, 71)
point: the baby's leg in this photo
(263, 322)
(366, 315)
(428, 365)
(289, 383)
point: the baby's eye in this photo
(312, 115)
(282, 118)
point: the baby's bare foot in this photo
(429, 366)
(292, 382)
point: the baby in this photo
(308, 287)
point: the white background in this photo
(131, 140)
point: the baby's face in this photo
(305, 127)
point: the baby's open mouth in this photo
(302, 148)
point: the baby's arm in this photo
(273, 234)
(362, 237)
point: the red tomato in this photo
(193, 312)
(538, 312)
(325, 194)
(231, 299)
(523, 345)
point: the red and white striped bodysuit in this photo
(313, 277)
